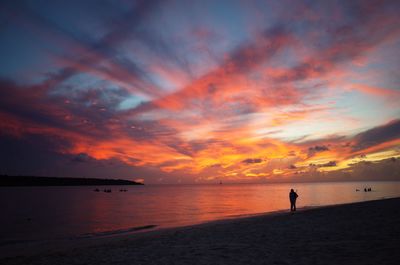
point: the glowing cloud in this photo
(166, 92)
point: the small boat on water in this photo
(96, 190)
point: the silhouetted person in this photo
(365, 189)
(293, 197)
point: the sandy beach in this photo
(358, 233)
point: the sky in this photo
(201, 91)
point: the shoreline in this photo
(18, 247)
(114, 242)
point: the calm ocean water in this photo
(46, 213)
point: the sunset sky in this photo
(201, 91)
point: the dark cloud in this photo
(29, 103)
(377, 135)
(81, 158)
(252, 161)
(316, 149)
(249, 55)
(328, 164)
(90, 112)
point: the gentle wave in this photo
(117, 232)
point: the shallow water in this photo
(43, 213)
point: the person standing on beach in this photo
(293, 197)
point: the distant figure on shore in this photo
(293, 197)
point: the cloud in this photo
(377, 135)
(201, 112)
(252, 161)
(240, 61)
(100, 58)
(383, 170)
(369, 26)
(328, 164)
(81, 158)
(389, 94)
(90, 112)
(317, 149)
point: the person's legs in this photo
(292, 206)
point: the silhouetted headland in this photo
(15, 181)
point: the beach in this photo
(357, 233)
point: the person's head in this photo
(291, 190)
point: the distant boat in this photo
(220, 183)
(96, 190)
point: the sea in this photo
(33, 214)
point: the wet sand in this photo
(358, 233)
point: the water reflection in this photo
(58, 212)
